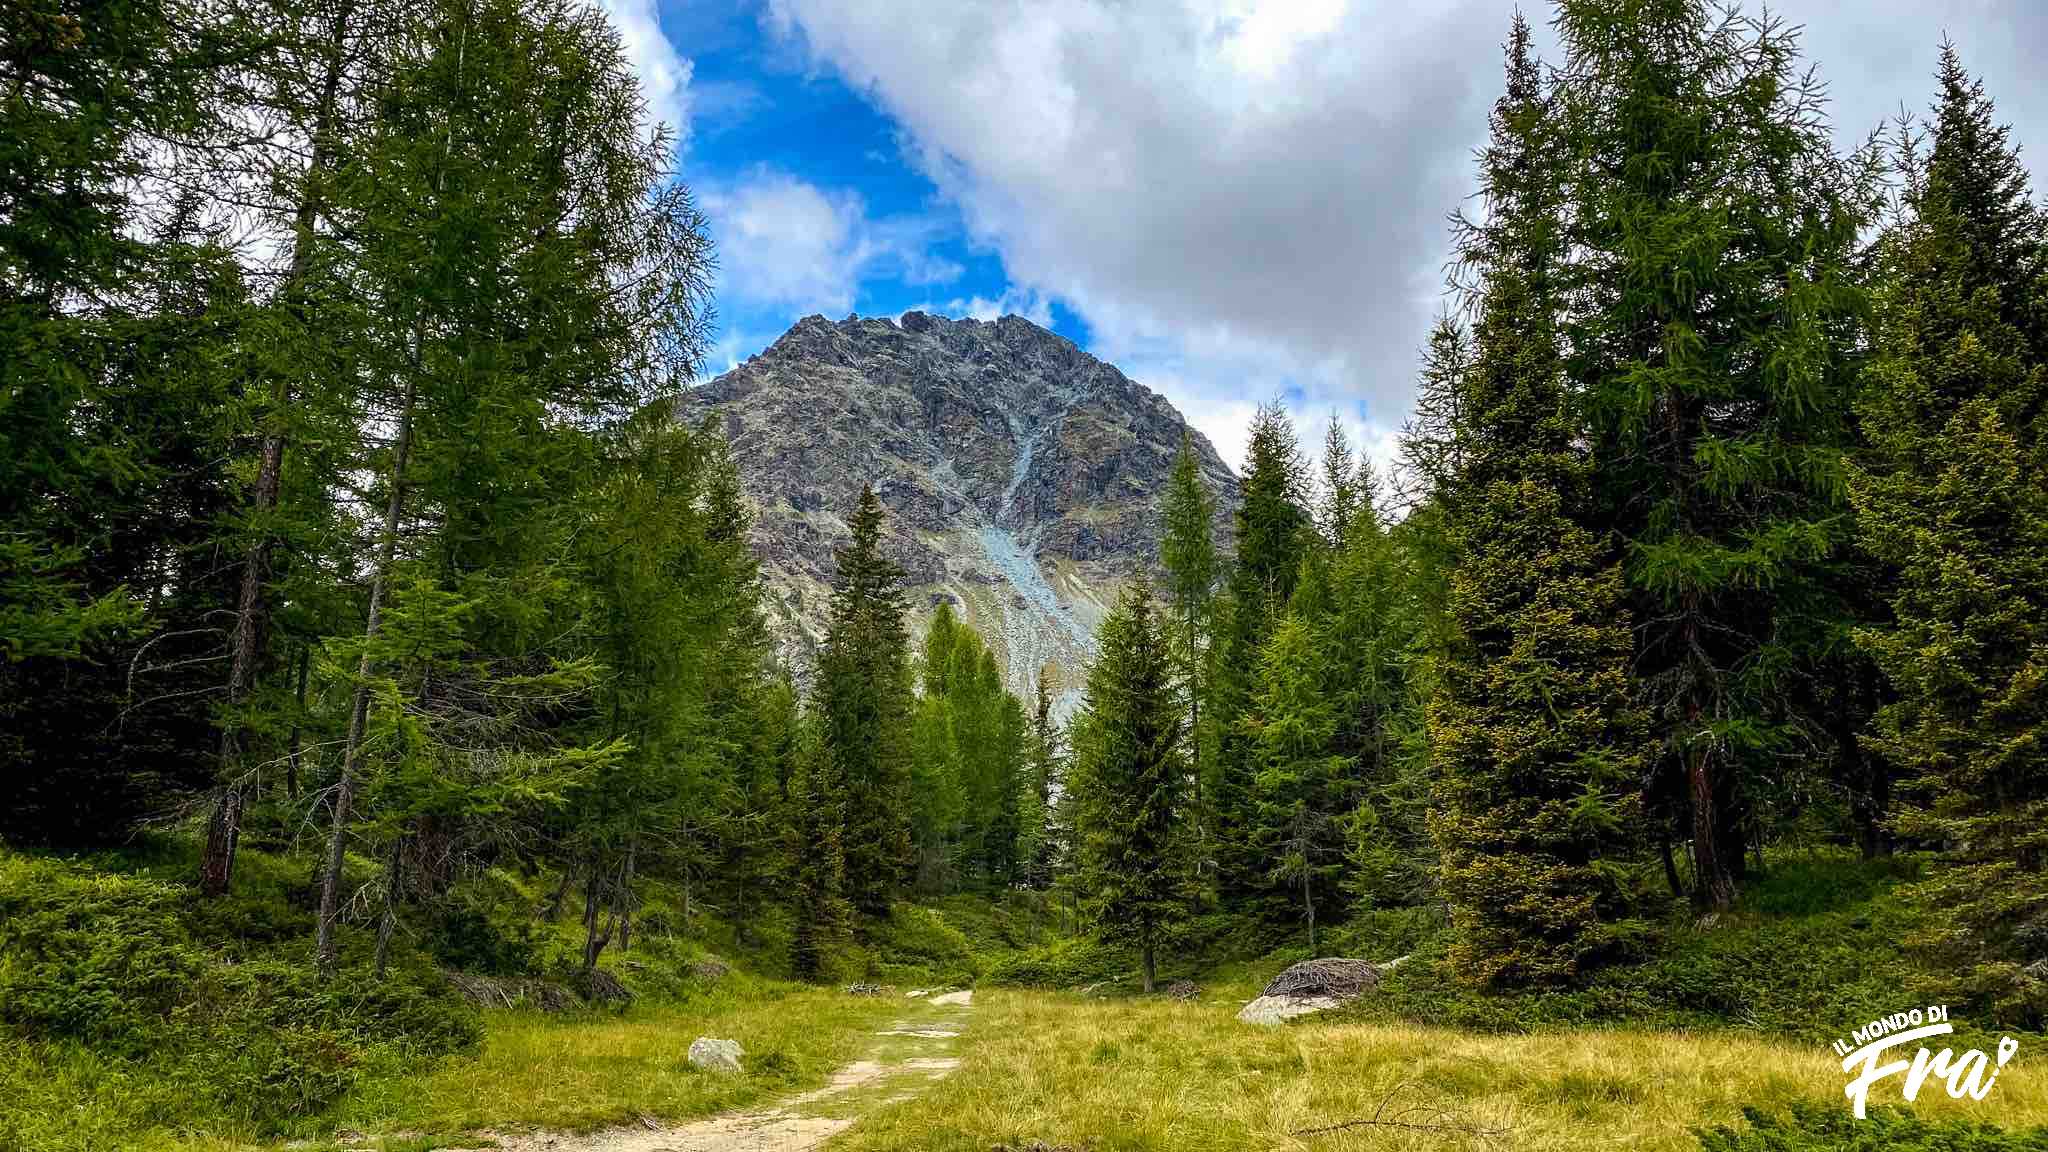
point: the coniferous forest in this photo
(376, 641)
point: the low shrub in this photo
(917, 944)
(1811, 1129)
(1069, 963)
(115, 963)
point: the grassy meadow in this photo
(1125, 1075)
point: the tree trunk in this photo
(624, 900)
(224, 828)
(553, 912)
(1151, 967)
(388, 915)
(223, 832)
(359, 710)
(593, 940)
(1670, 865)
(1308, 903)
(291, 760)
(1713, 888)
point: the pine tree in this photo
(865, 700)
(1368, 639)
(1536, 746)
(1129, 785)
(1953, 495)
(1037, 847)
(1342, 501)
(1712, 337)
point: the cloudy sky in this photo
(1232, 200)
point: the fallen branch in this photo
(1414, 1118)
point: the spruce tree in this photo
(864, 698)
(823, 915)
(1537, 748)
(1273, 533)
(1953, 496)
(1301, 788)
(1129, 785)
(1187, 552)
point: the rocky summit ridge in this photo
(1022, 477)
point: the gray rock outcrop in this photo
(1022, 476)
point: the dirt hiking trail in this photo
(908, 1056)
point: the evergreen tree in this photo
(1342, 501)
(1273, 533)
(507, 334)
(1300, 789)
(1187, 551)
(1537, 748)
(1129, 786)
(1953, 495)
(864, 698)
(1037, 847)
(1712, 331)
(823, 915)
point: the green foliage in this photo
(1809, 1128)
(864, 699)
(1952, 495)
(118, 963)
(1134, 864)
(1074, 962)
(973, 783)
(1712, 338)
(1818, 944)
(920, 944)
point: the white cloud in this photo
(1238, 196)
(784, 242)
(1033, 306)
(1218, 187)
(664, 72)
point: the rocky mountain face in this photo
(1022, 477)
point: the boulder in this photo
(715, 1055)
(953, 998)
(1314, 986)
(1276, 1009)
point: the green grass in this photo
(578, 1073)
(1157, 1075)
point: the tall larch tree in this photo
(1714, 321)
(1273, 531)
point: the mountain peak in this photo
(1022, 476)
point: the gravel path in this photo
(909, 1056)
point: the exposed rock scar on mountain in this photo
(1022, 476)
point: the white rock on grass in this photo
(715, 1055)
(1275, 1009)
(952, 998)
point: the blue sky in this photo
(777, 142)
(1232, 200)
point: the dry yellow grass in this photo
(1160, 1075)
